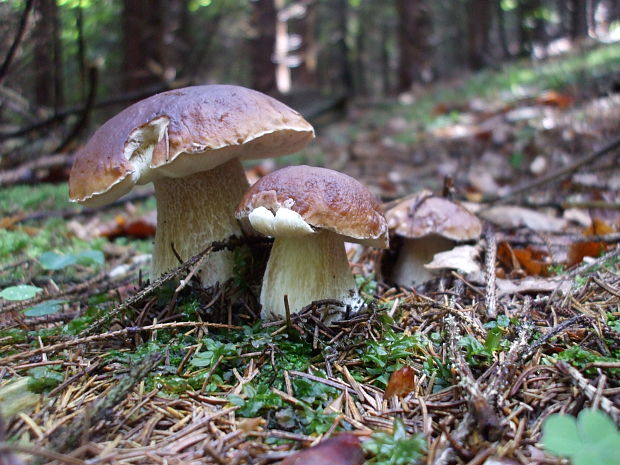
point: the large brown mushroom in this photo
(311, 212)
(427, 225)
(189, 143)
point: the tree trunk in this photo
(143, 43)
(309, 50)
(501, 28)
(346, 74)
(578, 18)
(48, 56)
(414, 30)
(263, 22)
(283, 72)
(478, 27)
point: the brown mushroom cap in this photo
(426, 214)
(324, 198)
(180, 132)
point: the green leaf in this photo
(48, 307)
(591, 439)
(43, 379)
(21, 292)
(91, 257)
(395, 449)
(53, 261)
(560, 435)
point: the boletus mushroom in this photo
(189, 143)
(311, 212)
(428, 225)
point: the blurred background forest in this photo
(70, 63)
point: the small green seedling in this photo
(53, 261)
(20, 292)
(591, 439)
(395, 449)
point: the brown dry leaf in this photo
(140, 228)
(506, 257)
(9, 222)
(533, 261)
(519, 262)
(344, 449)
(555, 99)
(579, 250)
(400, 384)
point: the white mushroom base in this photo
(194, 211)
(409, 269)
(305, 269)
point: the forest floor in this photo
(97, 366)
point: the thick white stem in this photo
(194, 211)
(307, 268)
(409, 269)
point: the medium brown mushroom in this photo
(189, 143)
(428, 225)
(311, 212)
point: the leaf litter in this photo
(479, 358)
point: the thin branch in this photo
(4, 70)
(93, 77)
(558, 173)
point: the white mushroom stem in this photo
(307, 268)
(194, 211)
(409, 269)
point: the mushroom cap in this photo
(426, 214)
(325, 199)
(181, 132)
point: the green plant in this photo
(591, 439)
(20, 292)
(395, 449)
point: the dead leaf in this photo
(461, 258)
(531, 285)
(579, 250)
(555, 99)
(344, 449)
(140, 228)
(400, 384)
(509, 216)
(519, 262)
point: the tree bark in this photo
(578, 18)
(478, 27)
(346, 73)
(263, 43)
(48, 56)
(143, 43)
(414, 30)
(309, 50)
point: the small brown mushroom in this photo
(428, 225)
(189, 143)
(311, 212)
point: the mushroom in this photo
(311, 212)
(428, 225)
(189, 143)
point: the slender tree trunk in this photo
(346, 73)
(361, 84)
(414, 30)
(501, 28)
(283, 72)
(262, 48)
(48, 56)
(578, 18)
(143, 43)
(309, 50)
(478, 27)
(386, 84)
